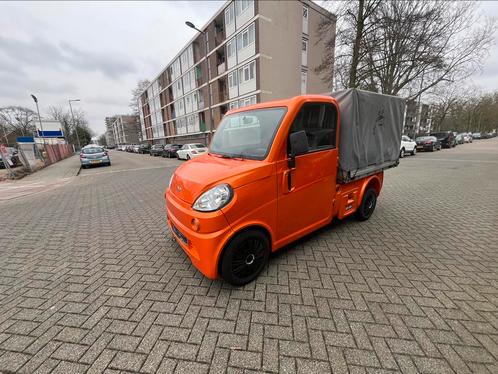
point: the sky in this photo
(98, 51)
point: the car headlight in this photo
(214, 199)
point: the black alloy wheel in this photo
(367, 206)
(245, 257)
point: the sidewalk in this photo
(52, 176)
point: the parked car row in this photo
(435, 141)
(180, 151)
(484, 135)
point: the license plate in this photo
(96, 161)
(179, 235)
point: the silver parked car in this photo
(94, 155)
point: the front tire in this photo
(414, 152)
(245, 257)
(367, 206)
(188, 157)
(402, 153)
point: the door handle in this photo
(287, 181)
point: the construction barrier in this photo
(57, 152)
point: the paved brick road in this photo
(90, 281)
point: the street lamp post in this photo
(72, 119)
(39, 117)
(191, 25)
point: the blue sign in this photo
(50, 134)
(25, 139)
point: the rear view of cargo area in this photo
(370, 132)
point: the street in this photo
(90, 279)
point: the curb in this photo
(79, 171)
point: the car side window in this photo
(319, 121)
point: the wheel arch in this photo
(373, 182)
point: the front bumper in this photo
(424, 147)
(204, 245)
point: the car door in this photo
(305, 192)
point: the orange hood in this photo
(200, 174)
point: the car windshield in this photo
(92, 150)
(247, 134)
(421, 138)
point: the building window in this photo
(246, 37)
(242, 5)
(304, 52)
(175, 69)
(251, 100)
(305, 19)
(234, 105)
(246, 73)
(304, 81)
(231, 48)
(229, 14)
(232, 79)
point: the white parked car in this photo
(407, 146)
(189, 151)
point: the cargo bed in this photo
(370, 133)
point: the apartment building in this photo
(125, 129)
(418, 119)
(256, 51)
(109, 132)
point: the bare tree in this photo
(18, 120)
(409, 47)
(80, 124)
(135, 95)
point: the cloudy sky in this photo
(97, 51)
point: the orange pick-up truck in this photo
(269, 178)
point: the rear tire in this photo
(433, 148)
(414, 152)
(245, 256)
(367, 206)
(402, 153)
(188, 157)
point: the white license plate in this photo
(96, 161)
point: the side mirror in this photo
(298, 146)
(298, 143)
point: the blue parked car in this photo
(94, 155)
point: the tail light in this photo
(82, 155)
(194, 152)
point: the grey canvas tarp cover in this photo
(370, 132)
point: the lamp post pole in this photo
(74, 125)
(191, 25)
(39, 117)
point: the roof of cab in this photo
(282, 102)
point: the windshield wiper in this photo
(231, 156)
